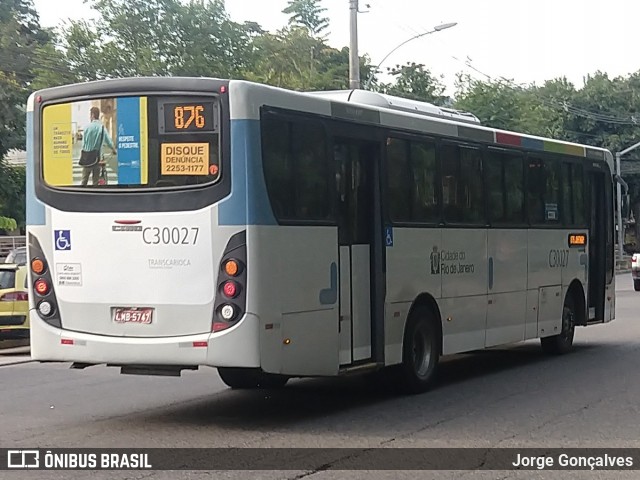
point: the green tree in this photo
(294, 59)
(307, 14)
(158, 38)
(12, 199)
(21, 39)
(415, 82)
(496, 103)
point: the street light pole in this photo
(619, 199)
(437, 28)
(354, 60)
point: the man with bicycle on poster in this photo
(94, 136)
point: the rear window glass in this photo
(7, 279)
(16, 256)
(131, 142)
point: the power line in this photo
(565, 106)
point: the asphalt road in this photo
(509, 397)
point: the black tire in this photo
(563, 342)
(420, 351)
(636, 285)
(271, 380)
(247, 378)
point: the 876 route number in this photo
(170, 235)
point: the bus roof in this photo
(365, 97)
(357, 105)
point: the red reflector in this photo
(66, 341)
(200, 344)
(230, 289)
(41, 286)
(128, 222)
(223, 89)
(218, 326)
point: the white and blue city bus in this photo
(275, 234)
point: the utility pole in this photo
(354, 60)
(619, 199)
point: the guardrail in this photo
(9, 243)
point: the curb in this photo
(16, 362)
(15, 351)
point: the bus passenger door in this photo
(597, 244)
(355, 164)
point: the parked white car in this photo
(17, 256)
(635, 271)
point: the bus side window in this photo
(514, 186)
(398, 180)
(311, 172)
(577, 179)
(462, 185)
(495, 185)
(567, 194)
(277, 166)
(472, 200)
(450, 183)
(552, 206)
(535, 190)
(423, 168)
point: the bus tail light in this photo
(227, 312)
(230, 289)
(38, 266)
(42, 285)
(219, 326)
(232, 268)
(45, 309)
(232, 282)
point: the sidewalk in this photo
(14, 355)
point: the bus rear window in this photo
(131, 142)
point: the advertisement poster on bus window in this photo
(96, 142)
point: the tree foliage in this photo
(21, 41)
(198, 38)
(307, 14)
(415, 82)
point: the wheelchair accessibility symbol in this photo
(388, 236)
(62, 239)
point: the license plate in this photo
(132, 315)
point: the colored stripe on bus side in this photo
(247, 179)
(540, 145)
(35, 210)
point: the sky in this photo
(524, 41)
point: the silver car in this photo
(17, 256)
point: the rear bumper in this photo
(635, 273)
(235, 347)
(12, 320)
(14, 333)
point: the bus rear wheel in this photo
(420, 351)
(246, 378)
(563, 342)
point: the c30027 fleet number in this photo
(170, 235)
